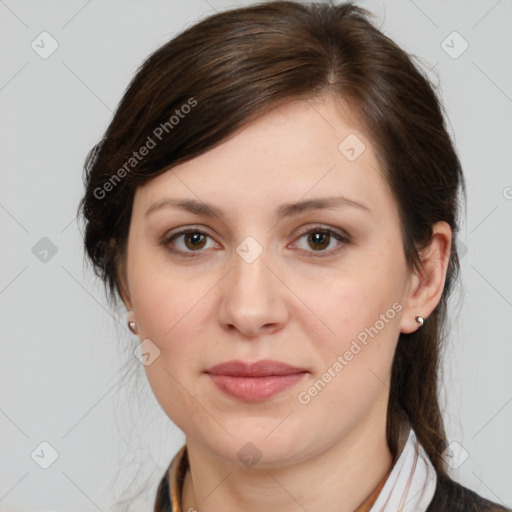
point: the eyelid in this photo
(321, 227)
(186, 229)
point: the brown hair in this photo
(236, 65)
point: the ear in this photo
(427, 283)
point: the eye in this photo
(320, 238)
(193, 240)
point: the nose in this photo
(253, 297)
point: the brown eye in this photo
(186, 242)
(194, 240)
(320, 238)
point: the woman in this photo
(276, 204)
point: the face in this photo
(319, 288)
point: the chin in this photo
(252, 446)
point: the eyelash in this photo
(343, 239)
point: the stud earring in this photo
(420, 321)
(133, 327)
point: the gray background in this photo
(66, 371)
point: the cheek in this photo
(361, 300)
(355, 355)
(170, 321)
(165, 305)
(163, 294)
(364, 342)
(353, 364)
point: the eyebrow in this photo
(285, 210)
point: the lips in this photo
(254, 381)
(264, 368)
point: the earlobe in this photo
(130, 322)
(420, 320)
(132, 326)
(427, 284)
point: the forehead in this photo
(300, 150)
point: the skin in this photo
(329, 454)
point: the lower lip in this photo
(254, 389)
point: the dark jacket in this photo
(453, 497)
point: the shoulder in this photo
(454, 497)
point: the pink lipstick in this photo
(254, 381)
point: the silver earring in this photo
(420, 321)
(133, 327)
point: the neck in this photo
(338, 479)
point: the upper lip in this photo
(263, 368)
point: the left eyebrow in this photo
(284, 210)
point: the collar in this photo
(411, 473)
